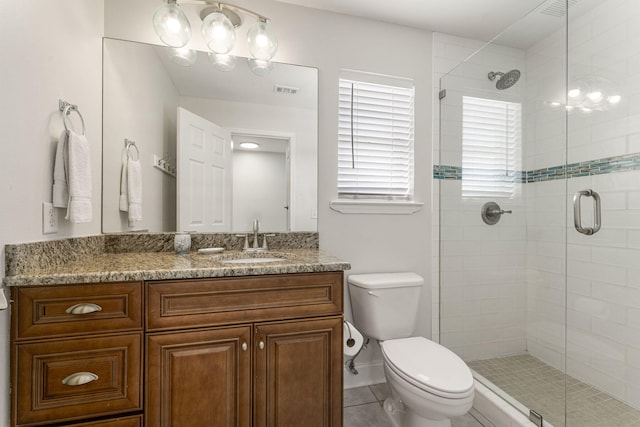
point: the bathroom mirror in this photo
(226, 186)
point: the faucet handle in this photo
(265, 246)
(246, 240)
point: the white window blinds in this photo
(491, 142)
(375, 145)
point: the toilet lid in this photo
(429, 366)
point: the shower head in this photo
(506, 80)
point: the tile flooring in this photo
(540, 387)
(363, 408)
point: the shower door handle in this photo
(577, 212)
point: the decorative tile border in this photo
(602, 166)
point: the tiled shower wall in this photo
(486, 268)
(483, 305)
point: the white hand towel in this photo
(79, 179)
(60, 190)
(134, 189)
(124, 182)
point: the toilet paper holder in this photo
(350, 364)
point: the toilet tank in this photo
(385, 305)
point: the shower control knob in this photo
(491, 213)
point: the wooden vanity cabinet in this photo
(76, 353)
(229, 352)
(270, 353)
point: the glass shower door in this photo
(503, 214)
(603, 255)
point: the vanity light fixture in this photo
(219, 21)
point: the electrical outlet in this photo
(49, 218)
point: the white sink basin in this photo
(251, 260)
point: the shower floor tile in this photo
(542, 388)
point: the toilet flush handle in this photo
(373, 294)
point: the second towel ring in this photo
(66, 109)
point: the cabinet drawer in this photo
(135, 421)
(208, 302)
(47, 311)
(65, 380)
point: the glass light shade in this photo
(218, 33)
(172, 25)
(223, 62)
(262, 41)
(260, 67)
(182, 56)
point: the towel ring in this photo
(128, 144)
(66, 109)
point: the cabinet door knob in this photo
(261, 345)
(244, 346)
(80, 378)
(83, 308)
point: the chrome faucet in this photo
(256, 229)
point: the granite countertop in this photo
(132, 266)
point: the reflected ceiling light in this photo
(219, 21)
(249, 145)
(595, 96)
(223, 62)
(614, 99)
(260, 67)
(182, 56)
(574, 93)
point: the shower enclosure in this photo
(539, 185)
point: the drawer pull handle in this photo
(244, 346)
(261, 345)
(80, 378)
(84, 308)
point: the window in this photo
(375, 144)
(491, 141)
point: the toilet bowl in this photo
(429, 383)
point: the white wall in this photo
(50, 50)
(298, 123)
(140, 106)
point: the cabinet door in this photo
(199, 378)
(298, 373)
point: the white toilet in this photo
(429, 383)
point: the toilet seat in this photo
(429, 366)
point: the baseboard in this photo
(368, 373)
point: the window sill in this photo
(380, 207)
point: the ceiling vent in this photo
(557, 8)
(285, 90)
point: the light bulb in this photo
(218, 33)
(262, 41)
(249, 145)
(172, 25)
